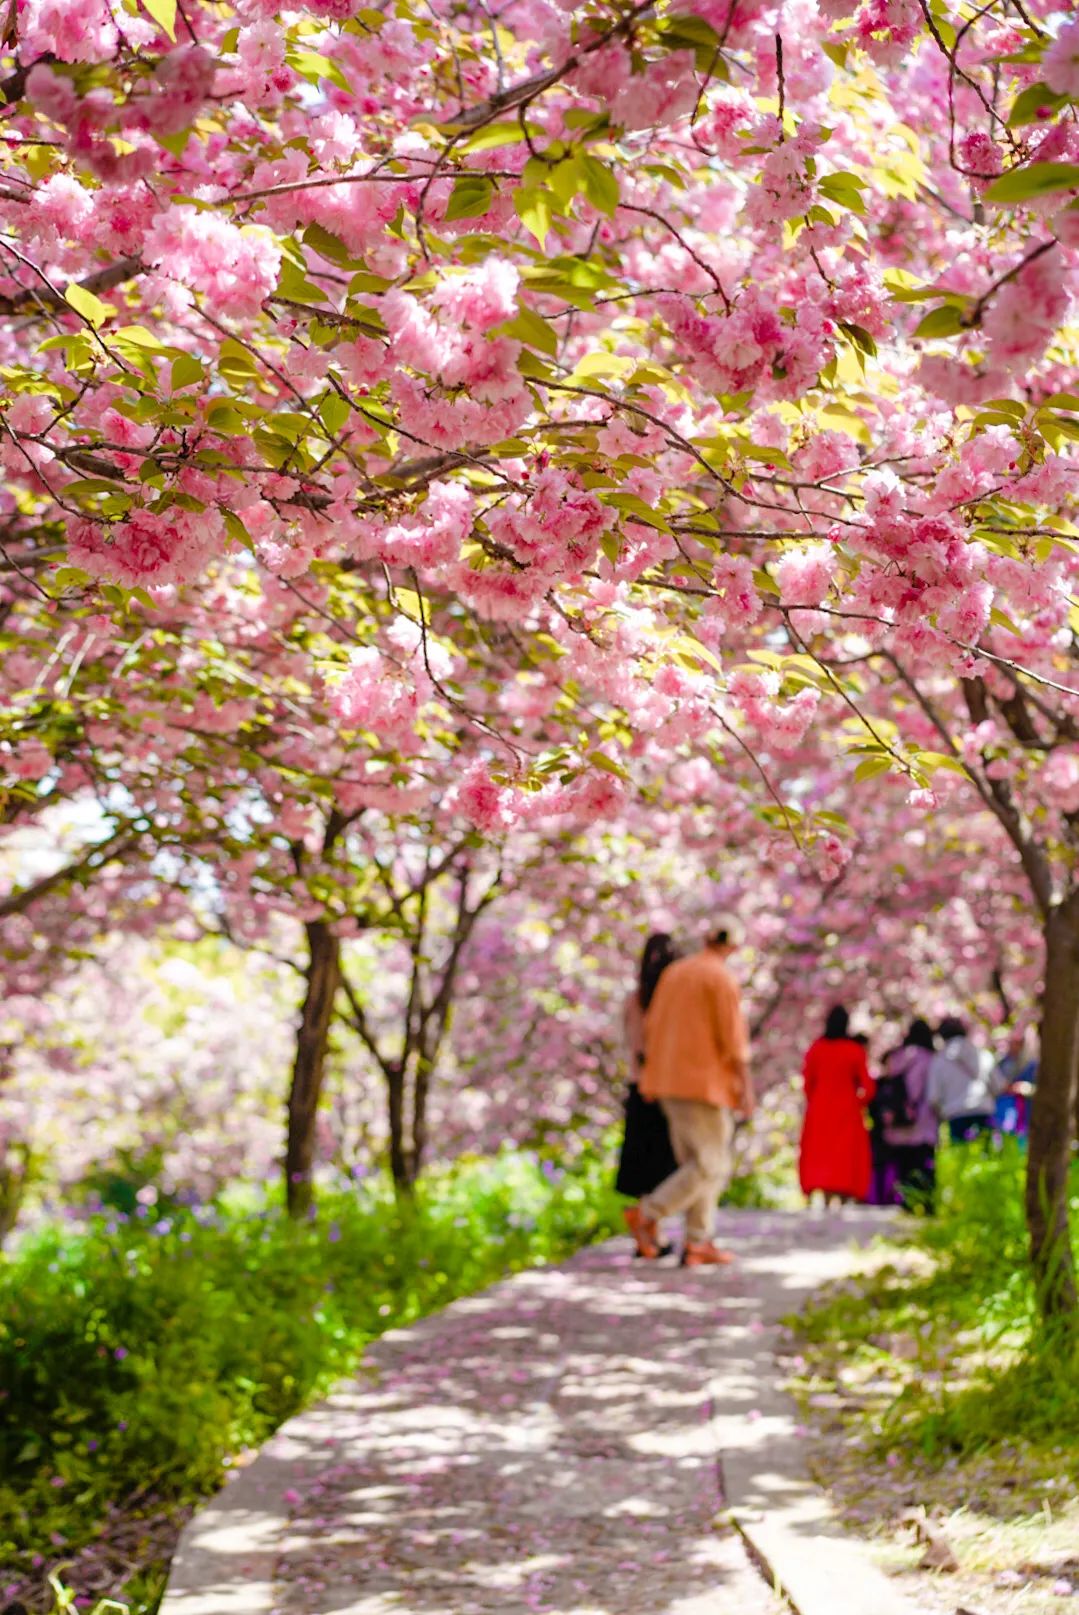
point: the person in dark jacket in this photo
(910, 1123)
(647, 1157)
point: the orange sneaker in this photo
(704, 1253)
(644, 1230)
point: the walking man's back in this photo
(696, 1065)
(696, 1045)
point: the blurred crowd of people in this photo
(875, 1139)
(865, 1137)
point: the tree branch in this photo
(88, 863)
(51, 297)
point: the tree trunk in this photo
(323, 976)
(1052, 1115)
(404, 1179)
(420, 1090)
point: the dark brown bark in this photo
(401, 1170)
(1052, 1116)
(405, 1081)
(420, 1090)
(997, 980)
(323, 976)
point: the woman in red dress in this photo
(835, 1156)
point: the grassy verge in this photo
(140, 1359)
(930, 1385)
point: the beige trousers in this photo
(701, 1138)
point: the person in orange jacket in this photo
(697, 1066)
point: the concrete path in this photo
(565, 1442)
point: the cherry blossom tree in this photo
(701, 372)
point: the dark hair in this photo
(919, 1035)
(951, 1026)
(659, 950)
(862, 1038)
(837, 1024)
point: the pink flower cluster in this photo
(1060, 63)
(149, 549)
(805, 575)
(234, 267)
(431, 538)
(372, 696)
(780, 725)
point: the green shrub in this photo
(138, 1356)
(970, 1366)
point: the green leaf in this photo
(174, 143)
(684, 32)
(932, 760)
(601, 363)
(633, 505)
(686, 645)
(859, 336)
(1028, 104)
(139, 337)
(599, 759)
(164, 14)
(870, 767)
(1035, 179)
(913, 294)
(582, 118)
(1011, 407)
(1058, 427)
(494, 135)
(990, 417)
(186, 371)
(471, 196)
(530, 364)
(533, 206)
(364, 281)
(69, 577)
(674, 176)
(529, 327)
(92, 309)
(334, 411)
(566, 179)
(327, 245)
(236, 529)
(235, 363)
(414, 606)
(845, 189)
(943, 321)
(313, 66)
(293, 283)
(600, 185)
(84, 486)
(762, 452)
(223, 416)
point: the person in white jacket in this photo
(962, 1085)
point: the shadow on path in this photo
(549, 1445)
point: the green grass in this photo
(930, 1381)
(138, 1358)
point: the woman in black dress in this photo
(647, 1157)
